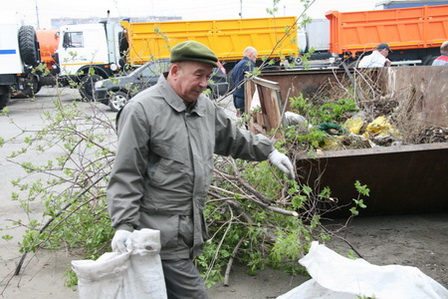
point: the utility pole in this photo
(241, 9)
(37, 15)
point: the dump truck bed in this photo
(227, 38)
(402, 28)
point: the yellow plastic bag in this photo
(354, 125)
(380, 127)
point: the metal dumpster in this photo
(402, 179)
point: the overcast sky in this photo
(187, 9)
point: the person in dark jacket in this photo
(443, 58)
(245, 65)
(167, 137)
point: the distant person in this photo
(443, 58)
(247, 64)
(378, 58)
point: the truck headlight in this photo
(113, 67)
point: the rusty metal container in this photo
(403, 179)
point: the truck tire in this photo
(123, 48)
(87, 84)
(5, 95)
(29, 46)
(31, 88)
(39, 87)
(117, 100)
(124, 44)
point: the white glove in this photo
(282, 161)
(119, 241)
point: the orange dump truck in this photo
(413, 34)
(227, 38)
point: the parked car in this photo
(117, 91)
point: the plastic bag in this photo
(338, 277)
(354, 125)
(131, 275)
(382, 127)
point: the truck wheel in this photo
(5, 95)
(87, 85)
(123, 44)
(117, 100)
(38, 88)
(29, 46)
(30, 89)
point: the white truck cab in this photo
(19, 54)
(88, 53)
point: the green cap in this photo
(193, 51)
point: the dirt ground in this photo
(412, 240)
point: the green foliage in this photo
(71, 187)
(313, 139)
(310, 135)
(272, 11)
(330, 111)
(359, 203)
(4, 111)
(246, 231)
(7, 237)
(71, 279)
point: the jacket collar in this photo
(176, 102)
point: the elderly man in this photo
(245, 65)
(443, 58)
(167, 136)
(378, 58)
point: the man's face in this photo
(384, 52)
(253, 56)
(189, 79)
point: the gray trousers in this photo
(182, 280)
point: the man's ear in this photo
(174, 69)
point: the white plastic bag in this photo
(338, 277)
(132, 275)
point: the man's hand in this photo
(282, 161)
(119, 240)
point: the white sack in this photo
(132, 275)
(338, 277)
(255, 102)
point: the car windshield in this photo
(153, 68)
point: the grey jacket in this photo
(164, 165)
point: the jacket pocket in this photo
(168, 225)
(168, 164)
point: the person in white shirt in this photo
(378, 58)
(443, 58)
